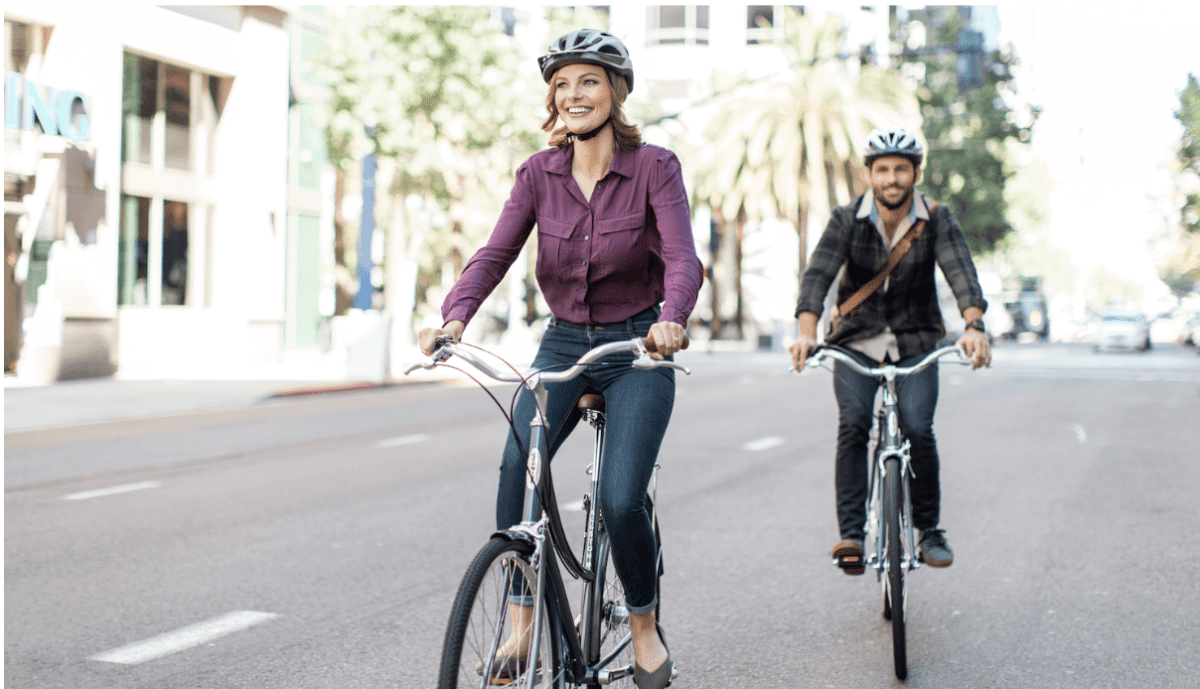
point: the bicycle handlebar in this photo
(833, 352)
(445, 348)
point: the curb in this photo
(330, 387)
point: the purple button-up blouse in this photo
(600, 262)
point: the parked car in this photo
(1191, 334)
(1123, 330)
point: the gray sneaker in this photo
(934, 550)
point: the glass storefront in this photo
(170, 121)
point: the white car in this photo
(1124, 330)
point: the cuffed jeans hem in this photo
(523, 601)
(642, 610)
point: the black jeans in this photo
(917, 399)
(637, 408)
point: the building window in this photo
(154, 264)
(174, 253)
(133, 253)
(177, 108)
(170, 114)
(764, 24)
(677, 25)
(170, 126)
(24, 41)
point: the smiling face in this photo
(892, 179)
(582, 96)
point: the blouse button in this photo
(585, 237)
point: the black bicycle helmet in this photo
(893, 142)
(588, 45)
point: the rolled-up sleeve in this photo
(683, 273)
(954, 256)
(488, 266)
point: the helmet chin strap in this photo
(588, 135)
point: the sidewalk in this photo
(147, 393)
(95, 400)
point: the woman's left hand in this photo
(668, 338)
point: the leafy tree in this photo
(1189, 151)
(1180, 269)
(788, 146)
(966, 131)
(437, 94)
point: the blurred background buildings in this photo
(233, 191)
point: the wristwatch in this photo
(977, 324)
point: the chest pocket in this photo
(620, 239)
(554, 244)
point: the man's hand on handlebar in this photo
(806, 342)
(428, 337)
(976, 345)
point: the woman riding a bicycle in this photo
(614, 242)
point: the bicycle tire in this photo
(892, 504)
(481, 614)
(611, 616)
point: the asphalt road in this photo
(318, 542)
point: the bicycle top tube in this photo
(636, 345)
(888, 371)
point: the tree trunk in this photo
(716, 231)
(343, 293)
(739, 309)
(803, 232)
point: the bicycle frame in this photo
(890, 445)
(542, 523)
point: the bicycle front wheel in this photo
(490, 632)
(894, 595)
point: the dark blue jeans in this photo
(917, 398)
(638, 407)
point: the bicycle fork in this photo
(885, 434)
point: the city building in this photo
(166, 188)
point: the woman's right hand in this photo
(429, 336)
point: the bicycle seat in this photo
(591, 401)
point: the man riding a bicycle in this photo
(883, 249)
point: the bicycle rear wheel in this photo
(482, 624)
(894, 594)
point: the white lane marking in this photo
(763, 444)
(113, 490)
(403, 440)
(184, 638)
(1080, 433)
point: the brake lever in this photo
(643, 362)
(440, 354)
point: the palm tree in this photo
(787, 145)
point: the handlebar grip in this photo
(648, 343)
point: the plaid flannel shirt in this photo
(910, 305)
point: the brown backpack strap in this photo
(856, 299)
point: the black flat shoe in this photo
(660, 678)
